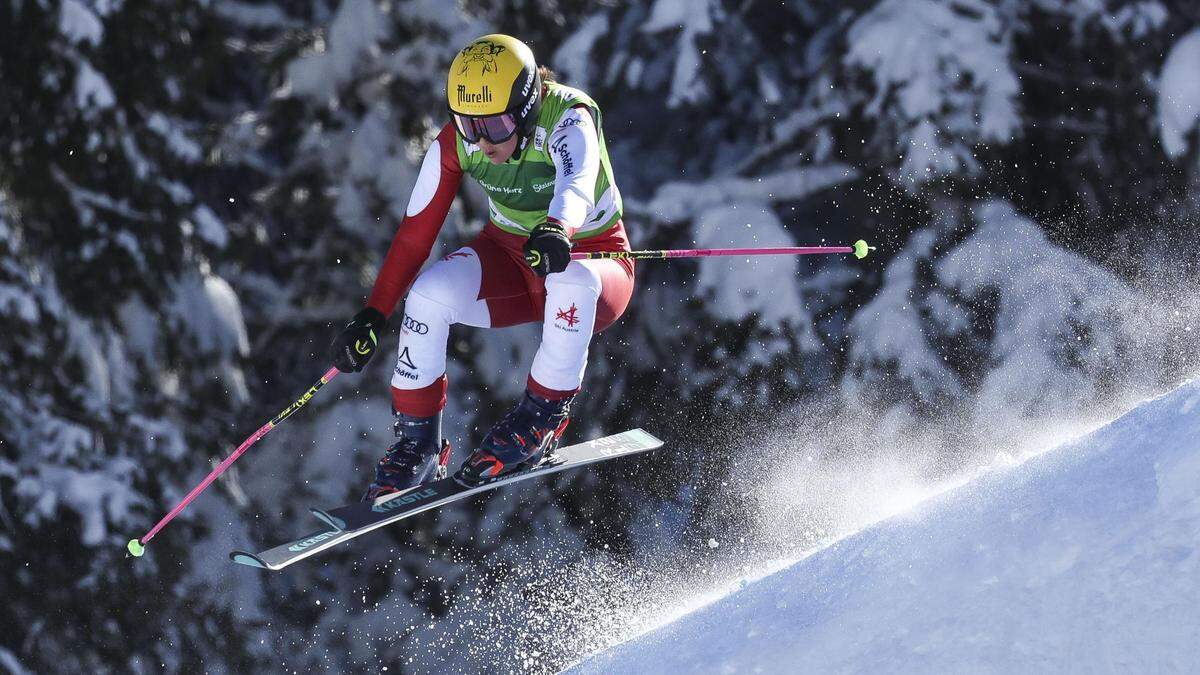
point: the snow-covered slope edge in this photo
(1084, 559)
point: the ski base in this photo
(352, 520)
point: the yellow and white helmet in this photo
(494, 89)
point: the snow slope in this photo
(1083, 559)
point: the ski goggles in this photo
(495, 128)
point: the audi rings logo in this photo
(415, 326)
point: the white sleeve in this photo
(575, 151)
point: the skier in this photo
(537, 148)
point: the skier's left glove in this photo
(548, 250)
(357, 342)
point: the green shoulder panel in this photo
(559, 98)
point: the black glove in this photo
(548, 249)
(356, 344)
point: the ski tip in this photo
(135, 548)
(862, 248)
(651, 441)
(330, 520)
(249, 559)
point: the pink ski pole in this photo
(138, 546)
(859, 249)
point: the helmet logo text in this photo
(465, 96)
(528, 104)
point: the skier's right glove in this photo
(357, 342)
(548, 249)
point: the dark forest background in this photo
(195, 196)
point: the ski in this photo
(360, 515)
(350, 521)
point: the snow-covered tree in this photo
(122, 345)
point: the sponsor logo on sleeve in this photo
(566, 161)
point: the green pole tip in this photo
(861, 249)
(135, 547)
